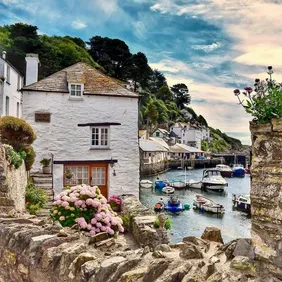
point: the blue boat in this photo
(161, 184)
(174, 205)
(238, 170)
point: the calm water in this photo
(233, 224)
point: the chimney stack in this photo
(4, 55)
(32, 62)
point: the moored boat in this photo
(242, 203)
(238, 170)
(174, 205)
(204, 204)
(194, 184)
(146, 183)
(177, 184)
(168, 190)
(159, 207)
(161, 183)
(213, 180)
(225, 170)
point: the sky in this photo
(213, 46)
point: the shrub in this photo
(114, 202)
(86, 206)
(45, 162)
(156, 223)
(13, 157)
(35, 198)
(16, 132)
(30, 157)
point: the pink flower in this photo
(89, 202)
(98, 224)
(55, 212)
(89, 226)
(92, 232)
(103, 228)
(97, 230)
(58, 202)
(61, 218)
(120, 228)
(64, 204)
(93, 221)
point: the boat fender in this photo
(186, 206)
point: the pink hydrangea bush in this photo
(115, 202)
(86, 206)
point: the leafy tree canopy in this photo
(181, 95)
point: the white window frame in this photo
(75, 93)
(8, 76)
(100, 146)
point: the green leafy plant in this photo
(69, 175)
(13, 158)
(30, 157)
(264, 102)
(16, 132)
(35, 198)
(156, 223)
(126, 219)
(45, 162)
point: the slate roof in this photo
(182, 148)
(95, 82)
(150, 146)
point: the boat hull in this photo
(176, 209)
(178, 185)
(168, 190)
(213, 186)
(194, 185)
(225, 173)
(146, 185)
(239, 172)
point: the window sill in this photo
(94, 148)
(8, 82)
(76, 98)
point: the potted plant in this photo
(46, 168)
(69, 175)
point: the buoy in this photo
(186, 206)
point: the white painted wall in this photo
(32, 62)
(192, 135)
(66, 141)
(154, 157)
(10, 89)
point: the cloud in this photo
(77, 24)
(207, 48)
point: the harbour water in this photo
(233, 224)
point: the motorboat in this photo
(204, 204)
(242, 203)
(177, 184)
(195, 184)
(179, 168)
(213, 180)
(168, 190)
(225, 170)
(146, 183)
(190, 168)
(159, 207)
(238, 170)
(161, 183)
(174, 205)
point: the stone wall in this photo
(13, 184)
(266, 194)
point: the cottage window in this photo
(76, 90)
(75, 175)
(157, 134)
(100, 137)
(8, 74)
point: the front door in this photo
(99, 177)
(90, 174)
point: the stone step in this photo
(3, 188)
(6, 209)
(42, 180)
(43, 185)
(4, 194)
(43, 213)
(41, 175)
(6, 202)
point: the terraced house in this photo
(87, 123)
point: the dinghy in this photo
(204, 204)
(168, 190)
(146, 183)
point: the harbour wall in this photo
(266, 195)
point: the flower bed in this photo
(86, 206)
(114, 202)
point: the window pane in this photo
(72, 92)
(78, 93)
(79, 175)
(78, 87)
(73, 87)
(98, 176)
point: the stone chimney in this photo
(32, 62)
(4, 55)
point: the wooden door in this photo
(99, 177)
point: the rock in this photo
(133, 275)
(190, 251)
(158, 254)
(194, 275)
(244, 248)
(146, 250)
(216, 277)
(62, 233)
(155, 269)
(107, 268)
(106, 243)
(212, 234)
(22, 269)
(37, 241)
(214, 259)
(242, 263)
(89, 268)
(78, 262)
(98, 238)
(229, 251)
(179, 273)
(163, 247)
(208, 270)
(56, 241)
(203, 245)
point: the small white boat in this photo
(146, 183)
(194, 184)
(225, 170)
(204, 204)
(179, 168)
(190, 168)
(242, 203)
(168, 190)
(177, 184)
(213, 180)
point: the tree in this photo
(112, 54)
(5, 41)
(156, 81)
(181, 95)
(139, 70)
(164, 94)
(202, 120)
(78, 41)
(151, 116)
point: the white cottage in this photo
(88, 123)
(11, 81)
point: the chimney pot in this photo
(4, 55)
(32, 62)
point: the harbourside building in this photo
(87, 123)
